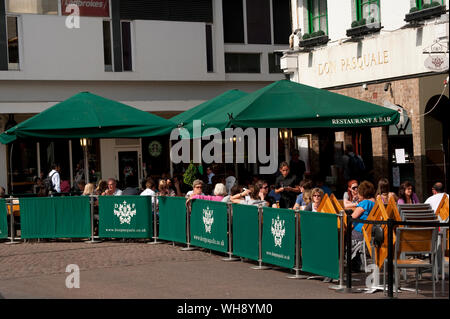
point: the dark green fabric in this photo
(197, 112)
(286, 104)
(172, 218)
(245, 231)
(89, 115)
(278, 238)
(125, 217)
(319, 238)
(3, 219)
(55, 217)
(209, 225)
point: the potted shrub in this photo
(363, 27)
(428, 11)
(313, 39)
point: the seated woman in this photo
(406, 194)
(89, 189)
(254, 199)
(316, 195)
(220, 191)
(164, 189)
(383, 191)
(351, 198)
(366, 192)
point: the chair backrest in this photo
(416, 240)
(413, 206)
(442, 209)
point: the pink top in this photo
(208, 197)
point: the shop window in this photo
(258, 22)
(317, 16)
(32, 6)
(107, 40)
(368, 10)
(13, 43)
(242, 63)
(126, 46)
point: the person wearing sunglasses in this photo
(351, 198)
(264, 193)
(197, 188)
(316, 197)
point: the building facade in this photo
(160, 56)
(391, 53)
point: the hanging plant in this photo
(190, 175)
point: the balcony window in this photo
(318, 17)
(368, 10)
(13, 43)
(421, 3)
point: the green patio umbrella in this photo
(217, 104)
(286, 104)
(91, 116)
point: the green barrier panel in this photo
(55, 217)
(245, 231)
(172, 218)
(320, 248)
(278, 237)
(125, 217)
(209, 225)
(3, 219)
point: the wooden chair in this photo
(415, 241)
(338, 206)
(442, 209)
(392, 210)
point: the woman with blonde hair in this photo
(316, 197)
(164, 189)
(89, 189)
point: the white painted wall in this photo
(339, 18)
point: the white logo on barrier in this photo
(208, 219)
(125, 212)
(278, 230)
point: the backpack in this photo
(356, 166)
(48, 183)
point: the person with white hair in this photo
(220, 191)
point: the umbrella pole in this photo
(171, 163)
(86, 168)
(10, 167)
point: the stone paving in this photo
(117, 269)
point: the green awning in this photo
(92, 116)
(217, 104)
(286, 104)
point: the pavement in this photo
(137, 270)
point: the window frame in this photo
(311, 17)
(359, 9)
(13, 66)
(419, 3)
(131, 45)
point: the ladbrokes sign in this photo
(88, 8)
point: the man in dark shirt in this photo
(297, 166)
(264, 192)
(287, 186)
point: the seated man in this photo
(197, 188)
(112, 188)
(438, 193)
